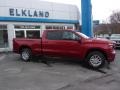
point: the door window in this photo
(67, 35)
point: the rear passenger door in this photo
(51, 44)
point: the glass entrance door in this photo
(3, 36)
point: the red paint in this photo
(65, 48)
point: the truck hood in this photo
(99, 41)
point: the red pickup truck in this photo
(66, 43)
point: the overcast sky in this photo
(101, 8)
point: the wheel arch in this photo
(24, 46)
(96, 49)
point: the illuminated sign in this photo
(28, 13)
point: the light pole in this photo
(86, 9)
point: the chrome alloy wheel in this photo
(95, 60)
(25, 54)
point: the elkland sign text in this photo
(28, 13)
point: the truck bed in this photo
(34, 44)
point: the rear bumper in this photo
(111, 56)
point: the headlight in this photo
(111, 45)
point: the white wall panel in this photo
(56, 10)
(61, 15)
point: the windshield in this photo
(83, 35)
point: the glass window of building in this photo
(3, 36)
(56, 27)
(49, 28)
(27, 27)
(69, 27)
(27, 31)
(62, 27)
(35, 34)
(20, 34)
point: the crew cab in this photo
(66, 43)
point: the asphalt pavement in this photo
(57, 74)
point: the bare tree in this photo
(109, 27)
(115, 22)
(115, 17)
(101, 29)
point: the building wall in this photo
(11, 31)
(35, 12)
(28, 8)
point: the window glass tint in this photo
(67, 35)
(19, 34)
(54, 35)
(33, 34)
(27, 27)
(62, 35)
(48, 27)
(76, 37)
(3, 27)
(3, 36)
(70, 36)
(83, 35)
(55, 27)
(62, 27)
(69, 27)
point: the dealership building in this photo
(26, 18)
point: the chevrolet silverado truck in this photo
(66, 43)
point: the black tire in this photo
(26, 54)
(95, 59)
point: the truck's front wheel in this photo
(26, 54)
(95, 59)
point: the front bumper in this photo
(111, 56)
(117, 43)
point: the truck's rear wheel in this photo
(26, 54)
(95, 59)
